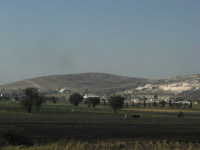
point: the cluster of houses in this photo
(129, 95)
(177, 87)
(8, 96)
(137, 96)
(130, 98)
(157, 99)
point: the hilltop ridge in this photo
(103, 82)
(91, 81)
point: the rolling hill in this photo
(90, 81)
(106, 83)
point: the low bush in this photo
(12, 137)
(180, 114)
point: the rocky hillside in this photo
(178, 84)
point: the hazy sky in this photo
(138, 38)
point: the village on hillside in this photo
(156, 95)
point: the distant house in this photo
(196, 103)
(4, 97)
(183, 102)
(146, 87)
(128, 91)
(64, 90)
(135, 100)
(89, 95)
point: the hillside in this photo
(91, 81)
(101, 83)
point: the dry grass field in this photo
(111, 145)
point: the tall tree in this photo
(30, 95)
(93, 100)
(38, 101)
(163, 103)
(170, 103)
(144, 104)
(116, 102)
(75, 99)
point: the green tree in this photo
(163, 103)
(93, 100)
(116, 102)
(38, 101)
(180, 114)
(154, 104)
(144, 104)
(190, 105)
(170, 103)
(30, 95)
(75, 99)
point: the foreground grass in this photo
(111, 145)
(54, 122)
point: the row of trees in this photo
(116, 101)
(33, 98)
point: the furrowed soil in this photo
(58, 122)
(51, 132)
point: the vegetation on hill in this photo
(97, 82)
(191, 95)
(101, 83)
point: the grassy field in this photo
(55, 122)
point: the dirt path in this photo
(34, 84)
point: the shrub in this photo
(12, 137)
(93, 100)
(180, 114)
